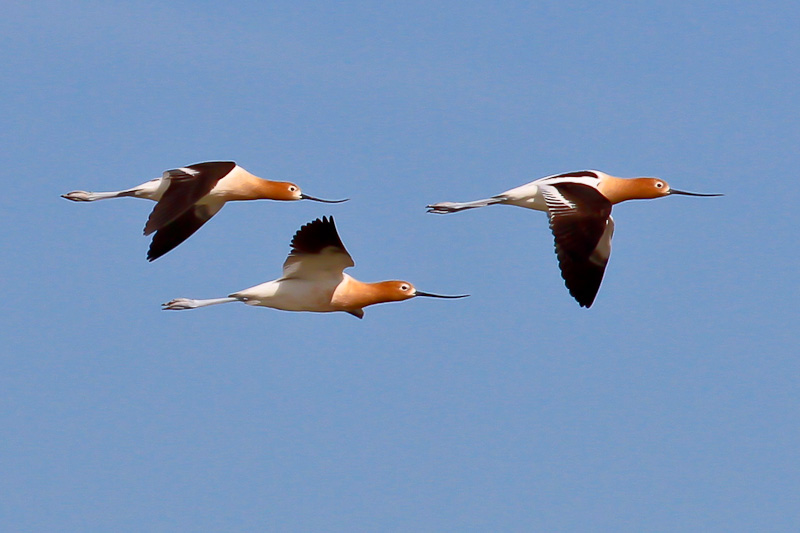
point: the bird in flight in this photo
(579, 207)
(188, 197)
(314, 280)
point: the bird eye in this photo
(292, 188)
(403, 287)
(659, 185)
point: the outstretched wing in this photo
(317, 251)
(580, 219)
(180, 229)
(186, 186)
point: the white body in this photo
(534, 195)
(155, 188)
(284, 294)
(293, 294)
(531, 195)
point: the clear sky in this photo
(672, 404)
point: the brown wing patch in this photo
(185, 189)
(177, 231)
(578, 225)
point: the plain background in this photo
(670, 405)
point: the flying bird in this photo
(579, 207)
(314, 280)
(188, 197)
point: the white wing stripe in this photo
(556, 202)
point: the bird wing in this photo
(317, 252)
(580, 219)
(187, 185)
(180, 229)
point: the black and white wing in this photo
(187, 185)
(580, 219)
(317, 251)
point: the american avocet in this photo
(314, 280)
(579, 207)
(189, 196)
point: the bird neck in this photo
(270, 190)
(353, 294)
(621, 189)
(250, 187)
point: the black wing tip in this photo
(175, 233)
(584, 293)
(316, 222)
(153, 253)
(583, 299)
(583, 284)
(326, 219)
(314, 226)
(582, 278)
(316, 235)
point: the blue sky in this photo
(670, 405)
